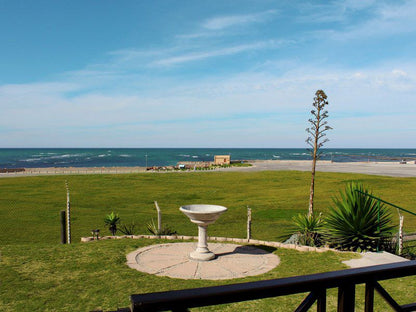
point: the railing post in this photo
(321, 301)
(316, 284)
(369, 297)
(346, 298)
(307, 302)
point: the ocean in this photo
(130, 157)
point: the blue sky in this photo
(205, 73)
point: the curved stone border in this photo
(218, 239)
(232, 261)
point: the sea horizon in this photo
(26, 157)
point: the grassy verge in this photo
(37, 273)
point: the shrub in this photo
(309, 229)
(111, 220)
(358, 222)
(128, 229)
(165, 230)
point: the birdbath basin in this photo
(202, 215)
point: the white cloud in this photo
(222, 22)
(223, 26)
(36, 88)
(356, 4)
(126, 102)
(320, 13)
(369, 91)
(386, 20)
(195, 56)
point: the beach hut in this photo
(222, 159)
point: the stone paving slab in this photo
(374, 258)
(232, 261)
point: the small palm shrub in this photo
(111, 220)
(165, 230)
(357, 222)
(309, 229)
(128, 229)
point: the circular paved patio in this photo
(232, 261)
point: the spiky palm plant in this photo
(111, 220)
(165, 230)
(128, 229)
(358, 222)
(308, 228)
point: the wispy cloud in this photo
(227, 25)
(385, 20)
(190, 57)
(355, 4)
(143, 96)
(227, 105)
(222, 22)
(332, 11)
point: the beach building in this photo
(222, 159)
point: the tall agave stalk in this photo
(358, 222)
(316, 139)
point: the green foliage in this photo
(308, 228)
(274, 196)
(409, 251)
(165, 230)
(111, 220)
(128, 229)
(34, 263)
(358, 222)
(94, 276)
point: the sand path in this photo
(393, 169)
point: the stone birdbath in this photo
(202, 215)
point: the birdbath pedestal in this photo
(202, 215)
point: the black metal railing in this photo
(385, 202)
(379, 201)
(315, 284)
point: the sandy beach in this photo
(394, 169)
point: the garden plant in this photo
(358, 222)
(111, 220)
(309, 229)
(165, 230)
(38, 273)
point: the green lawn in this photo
(38, 273)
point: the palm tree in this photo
(111, 220)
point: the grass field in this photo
(38, 273)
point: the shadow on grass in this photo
(265, 248)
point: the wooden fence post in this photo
(248, 223)
(63, 227)
(159, 217)
(401, 234)
(68, 214)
